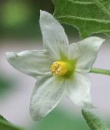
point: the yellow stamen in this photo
(59, 68)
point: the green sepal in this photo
(93, 121)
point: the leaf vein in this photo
(102, 7)
(79, 2)
(85, 19)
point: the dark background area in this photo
(19, 18)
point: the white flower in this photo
(61, 69)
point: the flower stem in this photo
(100, 71)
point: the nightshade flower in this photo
(61, 69)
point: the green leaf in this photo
(88, 16)
(94, 122)
(5, 125)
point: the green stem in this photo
(100, 71)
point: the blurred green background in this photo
(19, 30)
(19, 18)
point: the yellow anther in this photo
(59, 68)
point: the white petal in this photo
(46, 95)
(54, 37)
(34, 63)
(85, 52)
(79, 90)
(73, 51)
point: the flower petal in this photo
(46, 95)
(34, 63)
(85, 52)
(54, 37)
(79, 90)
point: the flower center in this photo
(59, 68)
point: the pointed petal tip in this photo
(99, 38)
(95, 38)
(7, 53)
(10, 55)
(43, 13)
(98, 42)
(93, 42)
(36, 116)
